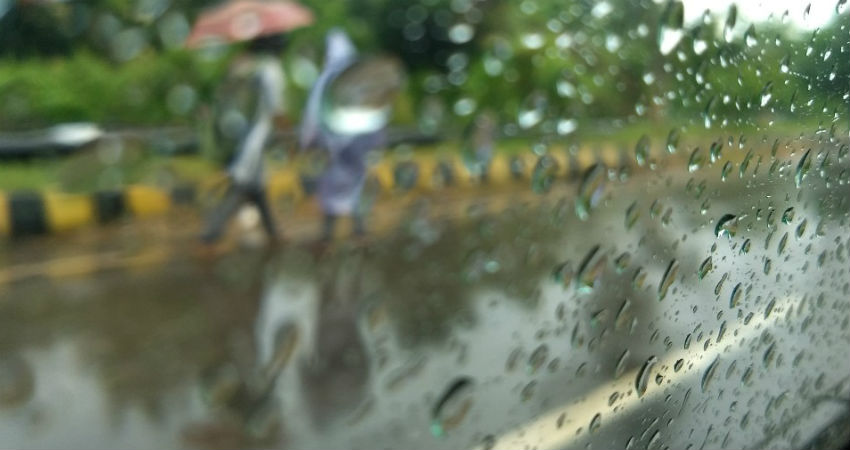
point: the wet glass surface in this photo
(594, 225)
(369, 345)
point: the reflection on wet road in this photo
(697, 311)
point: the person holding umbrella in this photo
(262, 25)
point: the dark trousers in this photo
(233, 199)
(330, 223)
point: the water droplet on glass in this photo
(560, 422)
(709, 374)
(668, 279)
(696, 160)
(532, 110)
(784, 64)
(622, 363)
(724, 173)
(745, 247)
(642, 379)
(595, 423)
(767, 265)
(544, 174)
(704, 268)
(622, 315)
(726, 226)
(590, 190)
(622, 261)
(360, 99)
(642, 150)
(590, 271)
(453, 406)
(655, 209)
(788, 215)
(742, 170)
(731, 18)
(782, 242)
(673, 141)
(670, 29)
(769, 355)
(639, 279)
(563, 274)
(715, 152)
(528, 391)
(769, 308)
(766, 93)
(801, 229)
(538, 358)
(750, 36)
(513, 359)
(803, 168)
(632, 215)
(678, 365)
(735, 298)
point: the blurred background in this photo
(593, 224)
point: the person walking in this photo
(348, 132)
(262, 24)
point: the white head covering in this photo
(339, 54)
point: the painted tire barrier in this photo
(25, 213)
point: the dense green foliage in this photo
(121, 63)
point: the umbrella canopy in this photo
(243, 20)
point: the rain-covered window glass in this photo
(490, 224)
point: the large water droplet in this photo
(784, 64)
(735, 298)
(643, 376)
(360, 99)
(544, 174)
(673, 141)
(788, 215)
(590, 190)
(622, 363)
(766, 93)
(696, 160)
(639, 279)
(668, 279)
(632, 215)
(782, 242)
(715, 152)
(731, 18)
(528, 391)
(726, 226)
(724, 172)
(590, 271)
(532, 110)
(750, 36)
(595, 423)
(453, 406)
(708, 375)
(803, 168)
(563, 274)
(670, 29)
(704, 268)
(538, 358)
(621, 262)
(642, 150)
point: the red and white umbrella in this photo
(243, 20)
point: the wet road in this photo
(508, 322)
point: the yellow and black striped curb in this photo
(33, 212)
